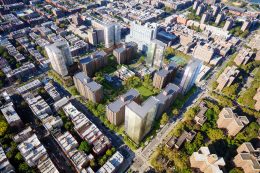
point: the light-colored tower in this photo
(112, 35)
(205, 17)
(155, 53)
(142, 35)
(219, 18)
(246, 25)
(190, 75)
(195, 5)
(200, 9)
(139, 118)
(60, 56)
(216, 10)
(228, 24)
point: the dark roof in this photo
(123, 100)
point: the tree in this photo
(23, 167)
(92, 163)
(215, 134)
(249, 133)
(169, 52)
(18, 156)
(141, 60)
(84, 146)
(102, 160)
(195, 145)
(231, 91)
(211, 117)
(2, 49)
(175, 111)
(164, 119)
(68, 126)
(3, 127)
(133, 82)
(244, 34)
(2, 78)
(74, 91)
(101, 109)
(236, 170)
(109, 153)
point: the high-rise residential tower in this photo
(60, 56)
(228, 25)
(155, 53)
(190, 74)
(112, 35)
(139, 118)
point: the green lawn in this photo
(145, 92)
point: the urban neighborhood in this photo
(136, 86)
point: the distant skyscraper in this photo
(60, 56)
(112, 35)
(142, 35)
(139, 118)
(190, 74)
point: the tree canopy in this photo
(84, 146)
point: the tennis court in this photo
(178, 60)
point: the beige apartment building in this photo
(88, 88)
(206, 162)
(115, 111)
(204, 52)
(248, 158)
(227, 77)
(243, 56)
(231, 122)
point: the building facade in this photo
(142, 35)
(60, 57)
(115, 111)
(139, 118)
(246, 158)
(90, 64)
(231, 122)
(206, 162)
(112, 35)
(190, 75)
(88, 88)
(155, 54)
(126, 53)
(164, 76)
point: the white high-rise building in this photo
(142, 35)
(139, 118)
(60, 56)
(112, 35)
(155, 53)
(190, 75)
